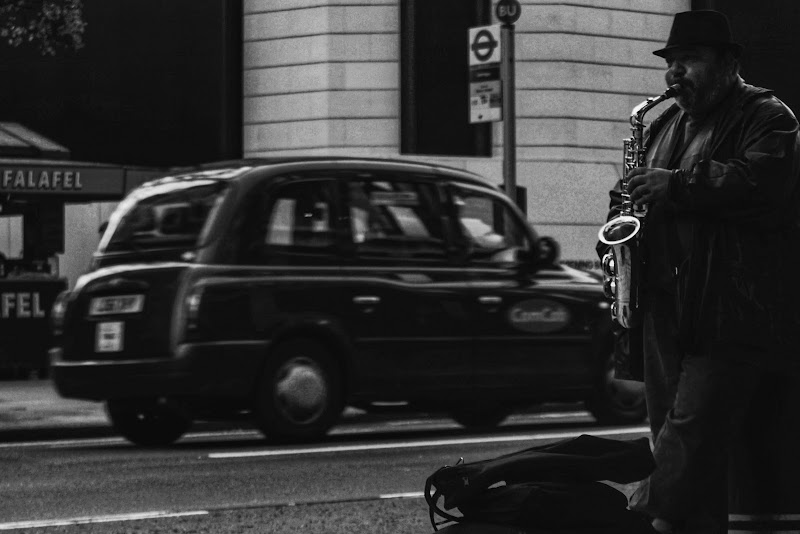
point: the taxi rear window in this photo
(172, 215)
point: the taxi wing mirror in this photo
(544, 253)
(549, 251)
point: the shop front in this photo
(35, 187)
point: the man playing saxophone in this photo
(721, 246)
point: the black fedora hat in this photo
(702, 27)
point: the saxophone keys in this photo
(609, 265)
(610, 287)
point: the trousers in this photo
(697, 404)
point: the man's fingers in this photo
(635, 185)
(638, 195)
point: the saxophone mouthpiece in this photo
(672, 90)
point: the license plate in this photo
(109, 337)
(116, 304)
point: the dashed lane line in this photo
(47, 523)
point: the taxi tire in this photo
(148, 422)
(298, 356)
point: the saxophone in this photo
(622, 263)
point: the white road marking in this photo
(773, 521)
(558, 415)
(432, 443)
(407, 495)
(764, 517)
(62, 443)
(19, 525)
(88, 442)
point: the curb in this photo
(15, 435)
(98, 431)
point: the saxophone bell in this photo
(620, 229)
(620, 266)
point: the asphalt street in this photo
(367, 476)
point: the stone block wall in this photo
(322, 77)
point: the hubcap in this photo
(301, 391)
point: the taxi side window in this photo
(491, 230)
(297, 221)
(395, 218)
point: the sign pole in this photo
(508, 12)
(509, 113)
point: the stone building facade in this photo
(324, 77)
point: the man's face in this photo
(704, 77)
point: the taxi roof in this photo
(231, 169)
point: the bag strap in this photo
(433, 502)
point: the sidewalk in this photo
(32, 410)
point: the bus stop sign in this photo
(508, 11)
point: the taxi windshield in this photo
(163, 216)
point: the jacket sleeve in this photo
(756, 180)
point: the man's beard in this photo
(699, 101)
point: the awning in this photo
(18, 141)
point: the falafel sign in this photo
(62, 180)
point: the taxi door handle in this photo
(367, 300)
(490, 300)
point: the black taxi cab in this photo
(287, 289)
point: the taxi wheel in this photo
(148, 422)
(483, 416)
(617, 402)
(300, 393)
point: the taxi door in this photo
(408, 305)
(526, 338)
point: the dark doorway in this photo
(435, 78)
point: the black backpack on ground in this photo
(553, 488)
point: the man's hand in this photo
(648, 185)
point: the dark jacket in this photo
(737, 283)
